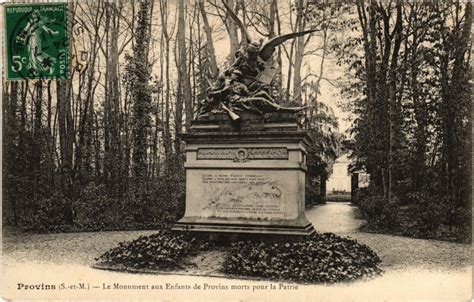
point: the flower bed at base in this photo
(319, 258)
(163, 250)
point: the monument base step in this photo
(237, 232)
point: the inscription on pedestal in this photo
(264, 196)
(242, 195)
(242, 154)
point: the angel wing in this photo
(267, 49)
(245, 34)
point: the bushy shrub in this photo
(46, 214)
(421, 215)
(313, 195)
(359, 194)
(96, 210)
(159, 251)
(459, 216)
(372, 206)
(426, 211)
(435, 216)
(379, 213)
(156, 206)
(459, 222)
(320, 258)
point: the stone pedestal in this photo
(244, 179)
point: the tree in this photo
(411, 98)
(394, 104)
(113, 145)
(211, 54)
(165, 79)
(184, 85)
(141, 94)
(10, 151)
(455, 125)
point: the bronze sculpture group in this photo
(244, 86)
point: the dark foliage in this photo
(153, 206)
(46, 214)
(411, 99)
(313, 194)
(434, 216)
(379, 213)
(163, 203)
(359, 194)
(159, 251)
(422, 215)
(321, 258)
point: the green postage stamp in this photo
(36, 39)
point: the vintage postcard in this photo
(231, 150)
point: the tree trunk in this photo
(10, 149)
(66, 140)
(37, 135)
(180, 59)
(209, 43)
(317, 84)
(373, 113)
(141, 94)
(232, 30)
(395, 110)
(455, 91)
(299, 52)
(114, 150)
(166, 50)
(184, 81)
(278, 82)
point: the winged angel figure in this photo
(245, 85)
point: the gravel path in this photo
(62, 248)
(414, 268)
(396, 252)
